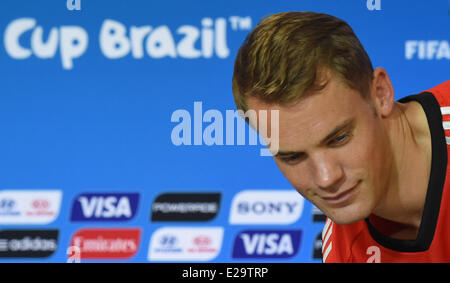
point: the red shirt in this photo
(361, 242)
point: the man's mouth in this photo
(341, 197)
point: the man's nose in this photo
(328, 173)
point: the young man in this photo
(377, 168)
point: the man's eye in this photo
(292, 158)
(340, 140)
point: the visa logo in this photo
(266, 244)
(105, 207)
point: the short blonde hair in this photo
(280, 59)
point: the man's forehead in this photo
(330, 95)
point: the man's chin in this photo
(345, 220)
(347, 215)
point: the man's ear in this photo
(382, 92)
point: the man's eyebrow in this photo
(346, 124)
(286, 153)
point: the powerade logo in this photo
(28, 243)
(105, 207)
(185, 207)
(267, 244)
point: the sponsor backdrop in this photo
(119, 137)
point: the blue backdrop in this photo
(88, 132)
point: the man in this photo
(376, 167)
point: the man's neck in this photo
(410, 140)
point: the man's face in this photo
(333, 149)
